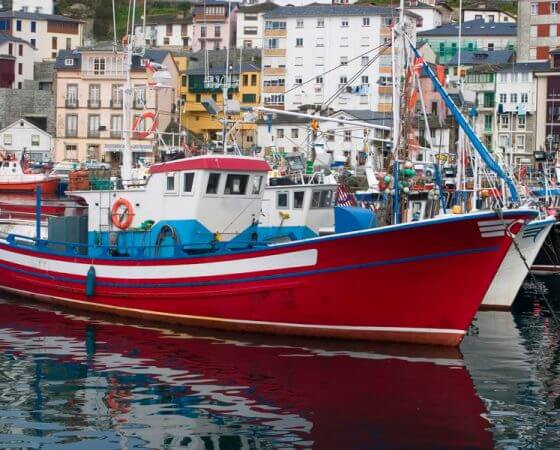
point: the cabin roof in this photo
(237, 163)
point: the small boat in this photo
(14, 179)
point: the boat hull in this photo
(399, 283)
(514, 270)
(548, 259)
(48, 186)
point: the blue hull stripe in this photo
(140, 284)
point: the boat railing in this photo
(125, 251)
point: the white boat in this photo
(512, 272)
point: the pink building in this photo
(210, 25)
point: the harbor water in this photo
(76, 381)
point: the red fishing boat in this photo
(14, 179)
(200, 262)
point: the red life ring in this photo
(148, 132)
(122, 217)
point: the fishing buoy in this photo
(456, 209)
(382, 186)
(484, 193)
(90, 282)
(406, 190)
(408, 165)
(388, 179)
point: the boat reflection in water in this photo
(70, 379)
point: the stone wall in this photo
(33, 105)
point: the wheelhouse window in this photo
(170, 183)
(282, 200)
(299, 196)
(213, 182)
(236, 184)
(257, 184)
(188, 179)
(322, 199)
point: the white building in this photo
(488, 15)
(23, 135)
(48, 33)
(39, 6)
(166, 31)
(344, 143)
(250, 24)
(329, 56)
(24, 55)
(431, 17)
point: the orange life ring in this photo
(151, 130)
(122, 218)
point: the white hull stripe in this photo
(489, 223)
(493, 228)
(301, 258)
(248, 322)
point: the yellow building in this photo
(181, 62)
(206, 73)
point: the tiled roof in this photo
(37, 16)
(532, 66)
(8, 38)
(472, 28)
(478, 57)
(152, 54)
(259, 7)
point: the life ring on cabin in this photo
(148, 132)
(122, 213)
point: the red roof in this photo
(213, 163)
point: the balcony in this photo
(273, 89)
(72, 103)
(116, 135)
(116, 104)
(93, 134)
(385, 89)
(138, 104)
(384, 107)
(275, 33)
(274, 71)
(94, 103)
(274, 52)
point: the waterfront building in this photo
(22, 135)
(48, 33)
(250, 24)
(89, 96)
(488, 14)
(170, 31)
(476, 35)
(19, 66)
(214, 25)
(431, 16)
(538, 30)
(206, 72)
(37, 6)
(328, 56)
(548, 106)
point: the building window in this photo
(320, 23)
(139, 97)
(504, 121)
(116, 96)
(33, 27)
(93, 125)
(319, 79)
(272, 43)
(72, 96)
(8, 139)
(20, 69)
(503, 98)
(202, 31)
(521, 122)
(116, 126)
(524, 97)
(365, 80)
(365, 21)
(249, 98)
(188, 179)
(236, 184)
(20, 50)
(488, 122)
(71, 151)
(513, 98)
(71, 125)
(279, 133)
(217, 31)
(534, 8)
(343, 80)
(520, 142)
(365, 60)
(10, 49)
(554, 7)
(32, 42)
(490, 47)
(299, 23)
(35, 140)
(282, 200)
(18, 25)
(344, 23)
(344, 60)
(94, 95)
(99, 66)
(253, 79)
(347, 136)
(295, 133)
(387, 21)
(344, 41)
(298, 80)
(54, 43)
(213, 182)
(299, 42)
(320, 42)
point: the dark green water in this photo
(73, 381)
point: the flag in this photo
(344, 197)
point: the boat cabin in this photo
(191, 206)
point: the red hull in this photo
(351, 395)
(400, 284)
(47, 187)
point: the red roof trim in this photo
(212, 163)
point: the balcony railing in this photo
(93, 134)
(94, 103)
(72, 103)
(116, 104)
